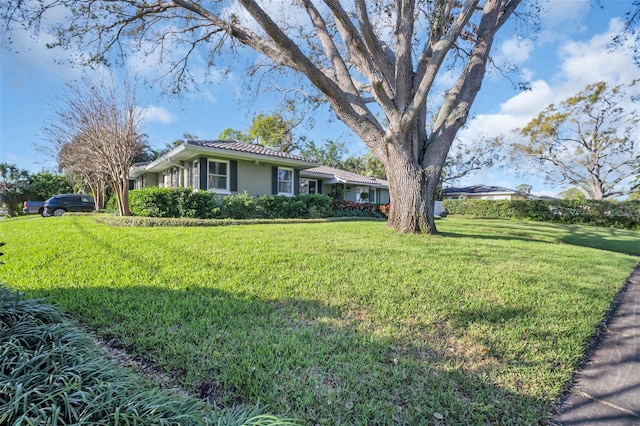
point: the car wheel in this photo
(58, 212)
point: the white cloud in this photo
(528, 103)
(29, 50)
(559, 18)
(516, 50)
(594, 60)
(153, 114)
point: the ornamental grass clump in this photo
(53, 373)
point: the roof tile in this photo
(246, 147)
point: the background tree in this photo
(374, 62)
(46, 184)
(524, 188)
(366, 165)
(572, 194)
(329, 154)
(14, 183)
(230, 134)
(588, 141)
(97, 127)
(465, 159)
(81, 162)
(150, 153)
(271, 130)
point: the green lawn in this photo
(344, 322)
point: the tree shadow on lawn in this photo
(318, 363)
(615, 240)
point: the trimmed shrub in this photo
(169, 202)
(318, 205)
(153, 202)
(281, 207)
(240, 206)
(196, 204)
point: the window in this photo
(285, 181)
(218, 176)
(196, 174)
(193, 168)
(308, 186)
(174, 178)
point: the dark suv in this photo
(58, 204)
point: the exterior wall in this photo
(383, 196)
(255, 179)
(146, 180)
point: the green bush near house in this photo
(240, 206)
(282, 207)
(614, 214)
(186, 203)
(195, 204)
(154, 202)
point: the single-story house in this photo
(344, 185)
(482, 192)
(231, 167)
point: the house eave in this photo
(185, 152)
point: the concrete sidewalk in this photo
(607, 388)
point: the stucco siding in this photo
(384, 196)
(255, 179)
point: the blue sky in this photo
(570, 51)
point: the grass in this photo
(53, 373)
(339, 323)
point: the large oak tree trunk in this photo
(414, 175)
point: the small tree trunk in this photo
(122, 194)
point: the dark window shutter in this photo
(274, 180)
(319, 186)
(233, 175)
(204, 174)
(296, 182)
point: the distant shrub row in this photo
(612, 214)
(187, 203)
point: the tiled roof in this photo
(346, 176)
(478, 189)
(246, 147)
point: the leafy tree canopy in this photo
(46, 184)
(588, 141)
(14, 184)
(269, 130)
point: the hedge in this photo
(614, 214)
(187, 203)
